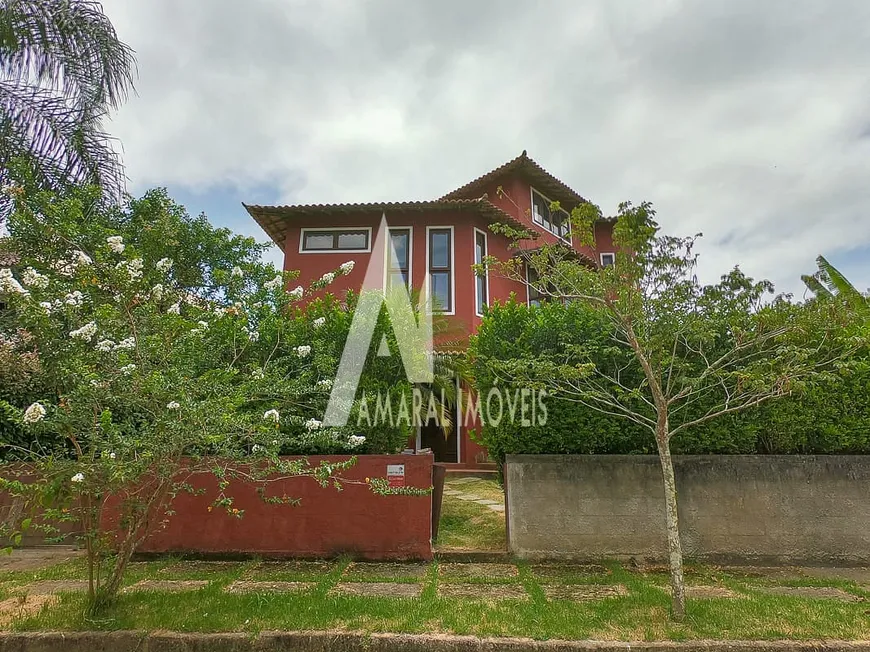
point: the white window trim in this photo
(532, 192)
(528, 288)
(485, 254)
(303, 231)
(410, 230)
(428, 285)
(606, 253)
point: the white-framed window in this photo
(556, 222)
(607, 258)
(337, 239)
(481, 281)
(534, 296)
(399, 256)
(440, 266)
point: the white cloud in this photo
(746, 121)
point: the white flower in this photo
(127, 344)
(46, 305)
(34, 413)
(127, 369)
(313, 424)
(325, 383)
(157, 292)
(237, 272)
(78, 477)
(111, 456)
(346, 268)
(303, 351)
(296, 293)
(174, 309)
(85, 333)
(254, 336)
(258, 374)
(220, 312)
(164, 265)
(73, 298)
(134, 268)
(356, 440)
(275, 283)
(327, 278)
(32, 278)
(256, 448)
(9, 284)
(320, 321)
(116, 244)
(82, 258)
(202, 328)
(173, 405)
(271, 415)
(104, 346)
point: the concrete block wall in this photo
(733, 508)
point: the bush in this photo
(830, 417)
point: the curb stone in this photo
(130, 641)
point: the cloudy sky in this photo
(748, 121)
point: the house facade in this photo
(439, 240)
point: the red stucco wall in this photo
(326, 523)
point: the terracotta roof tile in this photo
(274, 219)
(541, 179)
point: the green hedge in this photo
(830, 417)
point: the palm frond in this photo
(62, 143)
(65, 45)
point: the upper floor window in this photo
(607, 259)
(556, 222)
(347, 240)
(481, 289)
(440, 263)
(399, 258)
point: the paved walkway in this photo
(453, 487)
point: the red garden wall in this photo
(326, 522)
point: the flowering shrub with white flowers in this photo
(168, 349)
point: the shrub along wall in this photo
(831, 417)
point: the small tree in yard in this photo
(162, 367)
(696, 352)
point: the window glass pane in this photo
(439, 254)
(540, 209)
(534, 295)
(353, 240)
(480, 247)
(607, 260)
(400, 245)
(481, 293)
(441, 290)
(398, 278)
(318, 241)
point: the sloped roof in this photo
(542, 180)
(274, 219)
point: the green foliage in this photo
(828, 416)
(157, 347)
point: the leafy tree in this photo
(62, 68)
(696, 352)
(169, 351)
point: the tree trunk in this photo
(675, 549)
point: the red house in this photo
(443, 237)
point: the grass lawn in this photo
(467, 525)
(582, 602)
